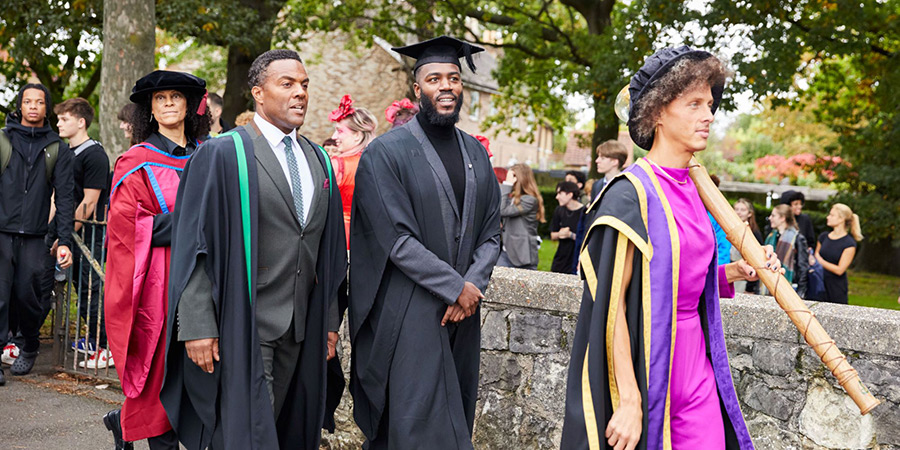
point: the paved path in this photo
(55, 411)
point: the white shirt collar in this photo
(272, 134)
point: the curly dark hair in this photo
(195, 126)
(686, 75)
(257, 75)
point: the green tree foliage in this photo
(552, 49)
(244, 27)
(851, 51)
(56, 41)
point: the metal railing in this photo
(78, 319)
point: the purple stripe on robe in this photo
(661, 320)
(661, 310)
(718, 354)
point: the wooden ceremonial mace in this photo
(805, 320)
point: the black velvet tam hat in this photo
(655, 68)
(163, 80)
(444, 49)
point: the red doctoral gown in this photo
(145, 183)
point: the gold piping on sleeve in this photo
(646, 309)
(676, 260)
(622, 228)
(587, 403)
(587, 268)
(615, 292)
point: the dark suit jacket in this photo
(287, 255)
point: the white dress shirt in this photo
(276, 141)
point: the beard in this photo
(436, 118)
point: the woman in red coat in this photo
(170, 116)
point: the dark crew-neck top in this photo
(447, 146)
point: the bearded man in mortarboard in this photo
(424, 235)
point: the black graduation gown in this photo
(397, 340)
(231, 408)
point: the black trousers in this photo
(21, 265)
(165, 441)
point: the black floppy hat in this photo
(654, 68)
(163, 80)
(443, 49)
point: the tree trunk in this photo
(606, 127)
(237, 94)
(129, 43)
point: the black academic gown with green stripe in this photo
(231, 408)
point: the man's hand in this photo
(332, 345)
(64, 256)
(454, 314)
(624, 429)
(469, 298)
(203, 352)
(565, 233)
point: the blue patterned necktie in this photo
(296, 185)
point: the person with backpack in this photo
(90, 173)
(26, 188)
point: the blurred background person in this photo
(354, 129)
(400, 112)
(563, 225)
(611, 158)
(796, 200)
(243, 118)
(835, 251)
(218, 126)
(579, 178)
(124, 117)
(521, 209)
(744, 209)
(790, 246)
(90, 169)
(723, 247)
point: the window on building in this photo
(475, 105)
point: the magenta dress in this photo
(696, 415)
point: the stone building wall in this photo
(369, 74)
(789, 399)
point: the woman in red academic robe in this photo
(170, 116)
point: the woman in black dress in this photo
(836, 249)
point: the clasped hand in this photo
(466, 304)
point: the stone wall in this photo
(789, 399)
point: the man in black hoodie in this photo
(34, 163)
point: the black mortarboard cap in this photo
(162, 80)
(444, 49)
(653, 69)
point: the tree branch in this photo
(92, 82)
(808, 30)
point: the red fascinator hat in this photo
(485, 142)
(344, 110)
(390, 113)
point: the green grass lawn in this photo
(545, 254)
(874, 289)
(866, 289)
